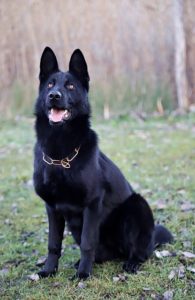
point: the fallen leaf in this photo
(135, 185)
(33, 277)
(41, 261)
(156, 296)
(7, 222)
(14, 208)
(81, 285)
(25, 244)
(29, 183)
(160, 204)
(181, 271)
(172, 274)
(35, 216)
(191, 269)
(146, 289)
(187, 206)
(56, 284)
(115, 279)
(107, 296)
(187, 244)
(163, 253)
(120, 277)
(4, 271)
(166, 168)
(35, 252)
(188, 254)
(181, 192)
(168, 295)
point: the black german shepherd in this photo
(79, 184)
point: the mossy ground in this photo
(158, 158)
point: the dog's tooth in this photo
(66, 112)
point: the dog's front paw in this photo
(76, 265)
(44, 273)
(83, 275)
(80, 275)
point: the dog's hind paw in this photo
(131, 267)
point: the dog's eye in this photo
(50, 85)
(70, 86)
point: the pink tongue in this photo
(56, 115)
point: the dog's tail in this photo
(162, 235)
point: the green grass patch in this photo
(158, 158)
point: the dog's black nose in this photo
(55, 95)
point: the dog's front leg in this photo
(56, 230)
(89, 238)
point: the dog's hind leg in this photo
(103, 254)
(143, 249)
(56, 230)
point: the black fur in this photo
(108, 220)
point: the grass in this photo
(158, 158)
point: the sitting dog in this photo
(81, 185)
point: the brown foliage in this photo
(121, 38)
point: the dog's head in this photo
(63, 96)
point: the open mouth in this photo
(58, 115)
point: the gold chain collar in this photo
(65, 162)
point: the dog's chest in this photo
(65, 188)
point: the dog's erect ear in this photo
(48, 64)
(78, 67)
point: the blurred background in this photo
(140, 54)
